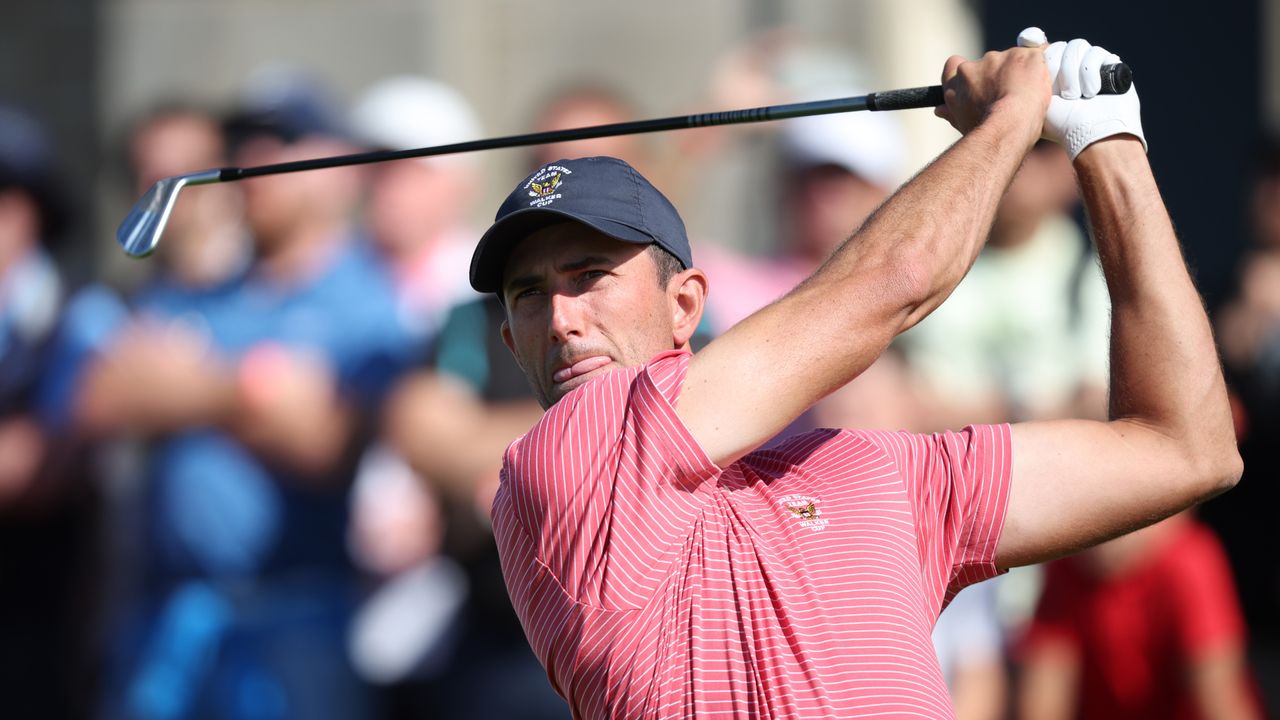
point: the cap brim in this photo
(490, 258)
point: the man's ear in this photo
(688, 293)
(510, 342)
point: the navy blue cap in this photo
(603, 193)
(286, 104)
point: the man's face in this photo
(277, 207)
(580, 304)
(411, 202)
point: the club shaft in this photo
(728, 117)
(1116, 79)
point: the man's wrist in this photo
(1111, 154)
(1015, 119)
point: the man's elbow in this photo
(914, 280)
(1232, 469)
(1219, 470)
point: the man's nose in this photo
(566, 316)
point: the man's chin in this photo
(559, 390)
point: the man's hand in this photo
(1078, 115)
(289, 408)
(22, 450)
(1015, 80)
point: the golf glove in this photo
(1078, 116)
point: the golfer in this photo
(662, 566)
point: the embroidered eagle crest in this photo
(805, 512)
(546, 187)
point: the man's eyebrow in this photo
(586, 262)
(523, 281)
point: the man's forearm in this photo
(114, 399)
(1164, 367)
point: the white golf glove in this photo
(1078, 116)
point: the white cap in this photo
(405, 112)
(868, 144)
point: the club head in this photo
(141, 229)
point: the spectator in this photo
(585, 104)
(1024, 335)
(417, 209)
(204, 243)
(1144, 626)
(406, 628)
(48, 512)
(255, 392)
(30, 294)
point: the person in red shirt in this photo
(662, 566)
(1145, 626)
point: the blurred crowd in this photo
(256, 485)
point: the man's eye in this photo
(592, 274)
(528, 292)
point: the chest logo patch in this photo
(806, 510)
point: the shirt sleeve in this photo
(957, 484)
(460, 347)
(606, 486)
(89, 322)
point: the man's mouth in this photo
(582, 367)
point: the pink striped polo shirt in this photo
(799, 582)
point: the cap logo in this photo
(543, 185)
(805, 510)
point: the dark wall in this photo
(47, 67)
(1197, 69)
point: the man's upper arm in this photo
(1079, 482)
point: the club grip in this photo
(1116, 80)
(919, 97)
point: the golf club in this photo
(141, 229)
